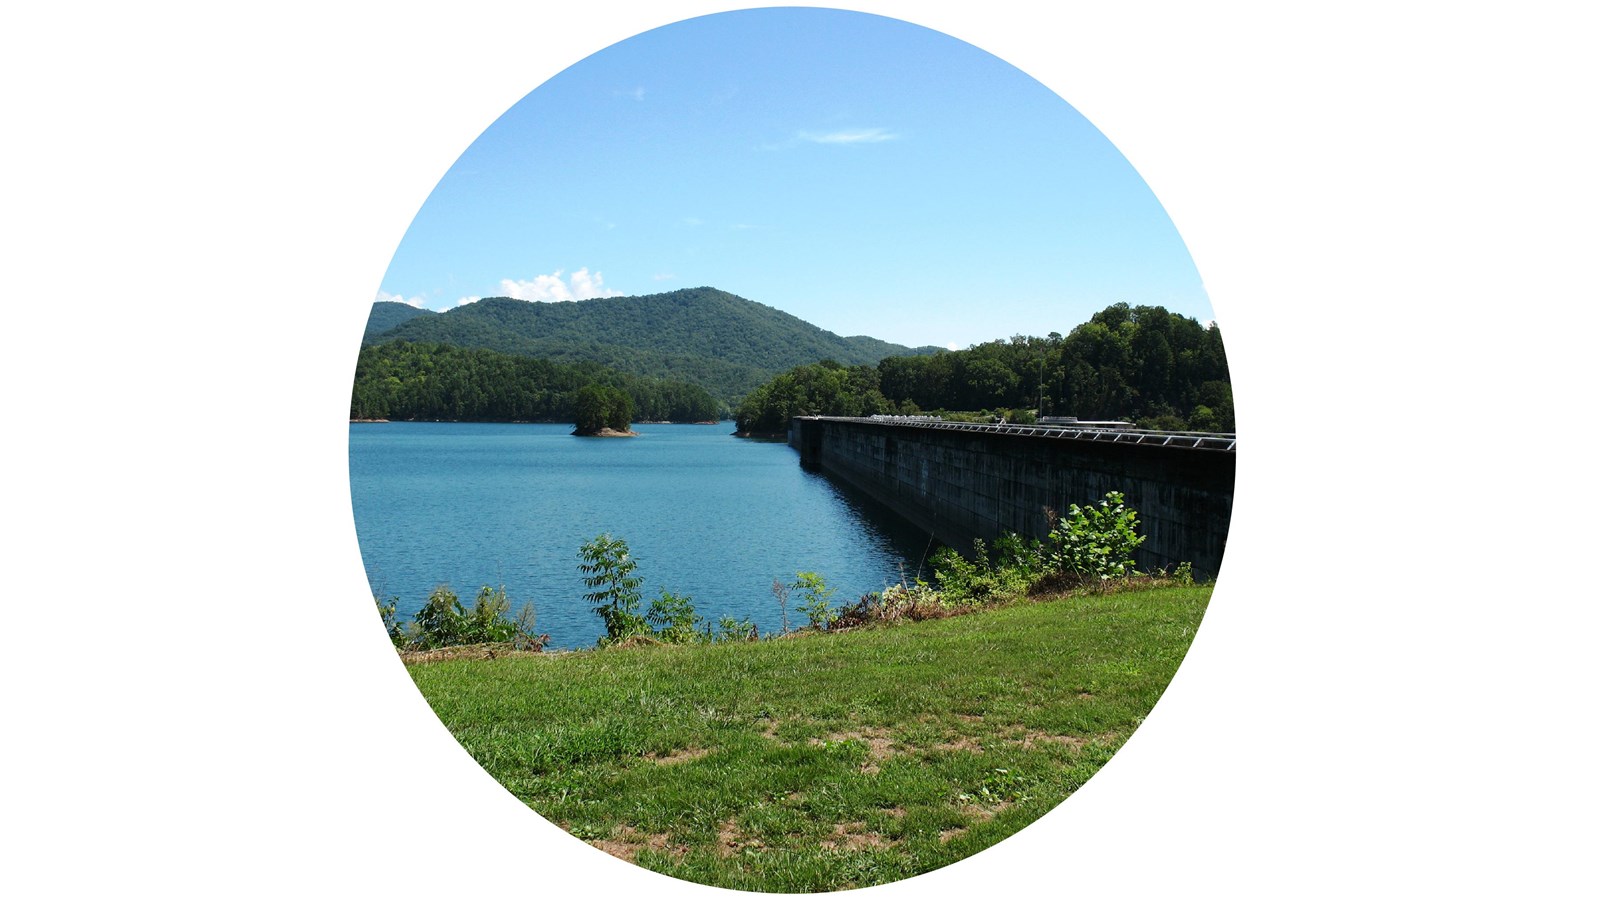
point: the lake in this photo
(704, 513)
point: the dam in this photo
(959, 481)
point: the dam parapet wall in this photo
(959, 482)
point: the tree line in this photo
(405, 380)
(1144, 364)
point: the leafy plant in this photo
(979, 581)
(614, 589)
(1095, 542)
(391, 624)
(1184, 574)
(815, 593)
(1012, 551)
(674, 618)
(444, 622)
(487, 622)
(441, 622)
(730, 629)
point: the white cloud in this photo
(664, 276)
(465, 300)
(385, 297)
(580, 285)
(850, 136)
(953, 346)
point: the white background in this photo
(1392, 208)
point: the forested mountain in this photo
(404, 380)
(387, 314)
(725, 343)
(1143, 363)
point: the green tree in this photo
(619, 410)
(591, 408)
(608, 571)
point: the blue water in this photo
(704, 513)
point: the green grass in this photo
(827, 761)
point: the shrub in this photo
(674, 618)
(815, 593)
(443, 622)
(614, 589)
(1094, 543)
(1012, 551)
(487, 622)
(915, 602)
(731, 629)
(978, 581)
(1184, 574)
(440, 622)
(391, 624)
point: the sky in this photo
(864, 174)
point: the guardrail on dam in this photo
(960, 481)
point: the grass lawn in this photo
(827, 761)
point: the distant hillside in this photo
(403, 380)
(728, 344)
(879, 349)
(387, 314)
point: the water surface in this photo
(705, 514)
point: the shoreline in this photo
(511, 422)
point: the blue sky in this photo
(867, 175)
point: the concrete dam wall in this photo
(960, 483)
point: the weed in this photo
(780, 593)
(816, 593)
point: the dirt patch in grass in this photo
(1028, 739)
(880, 745)
(626, 842)
(677, 756)
(730, 840)
(983, 812)
(851, 836)
(960, 743)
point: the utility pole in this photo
(1041, 385)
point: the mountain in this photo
(725, 343)
(387, 314)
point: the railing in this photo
(1189, 440)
